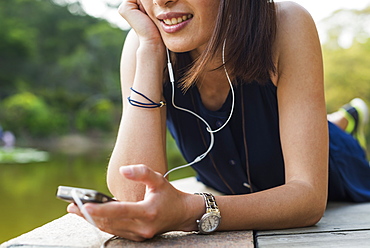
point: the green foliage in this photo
(60, 57)
(45, 45)
(347, 73)
(346, 63)
(26, 113)
(98, 115)
(345, 26)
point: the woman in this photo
(275, 144)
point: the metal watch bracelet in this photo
(212, 217)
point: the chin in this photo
(179, 47)
(176, 49)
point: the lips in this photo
(174, 21)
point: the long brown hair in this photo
(249, 27)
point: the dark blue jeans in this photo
(349, 170)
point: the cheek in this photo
(208, 27)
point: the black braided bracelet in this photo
(151, 103)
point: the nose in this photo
(163, 2)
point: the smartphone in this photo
(85, 195)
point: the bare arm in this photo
(141, 136)
(303, 129)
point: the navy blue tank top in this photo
(226, 168)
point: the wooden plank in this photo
(358, 239)
(337, 217)
(183, 239)
(343, 225)
(73, 231)
(67, 231)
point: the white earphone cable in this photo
(80, 205)
(209, 129)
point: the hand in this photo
(163, 209)
(134, 13)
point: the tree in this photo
(347, 58)
(345, 26)
(347, 73)
(60, 57)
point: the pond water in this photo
(27, 191)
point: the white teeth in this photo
(174, 21)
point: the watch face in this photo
(209, 223)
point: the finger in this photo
(141, 6)
(73, 209)
(128, 220)
(143, 174)
(117, 210)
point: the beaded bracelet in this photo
(151, 103)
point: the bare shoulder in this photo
(296, 34)
(294, 21)
(291, 14)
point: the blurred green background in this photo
(60, 92)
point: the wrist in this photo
(195, 208)
(150, 64)
(211, 219)
(152, 61)
(152, 51)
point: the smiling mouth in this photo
(174, 21)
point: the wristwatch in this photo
(212, 218)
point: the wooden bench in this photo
(343, 225)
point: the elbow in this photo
(116, 188)
(310, 207)
(314, 213)
(115, 182)
(315, 217)
(123, 189)
(307, 217)
(310, 202)
(318, 213)
(112, 184)
(318, 204)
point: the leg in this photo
(349, 169)
(352, 118)
(338, 119)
